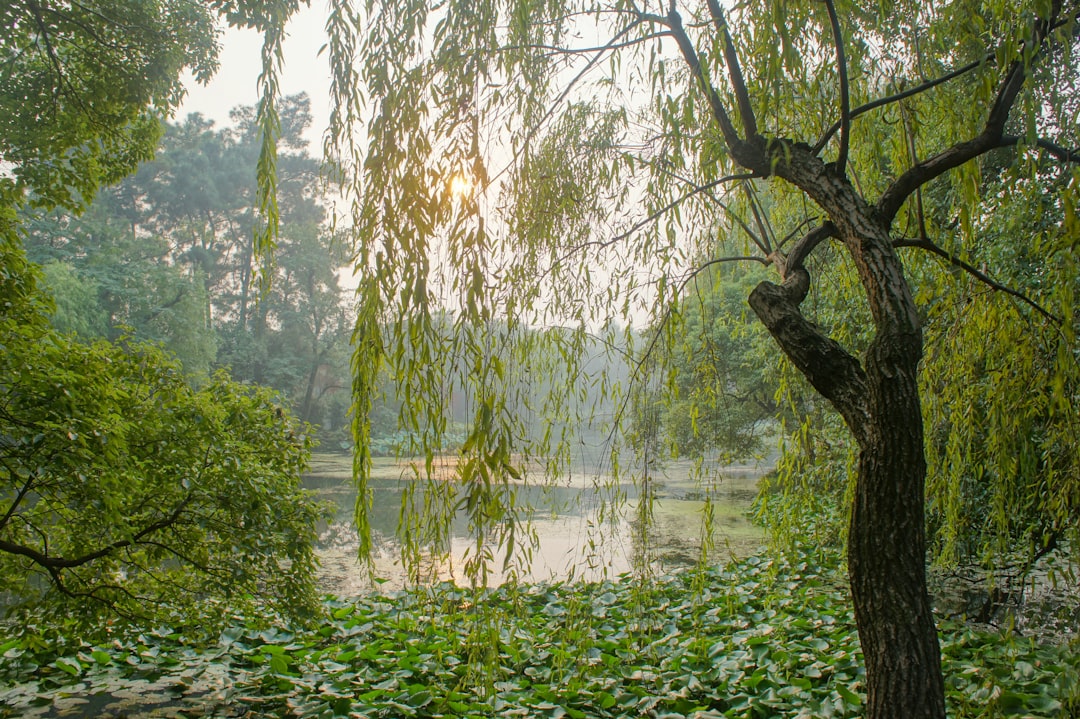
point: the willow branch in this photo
(765, 261)
(639, 365)
(615, 41)
(798, 228)
(1064, 154)
(556, 51)
(760, 242)
(720, 113)
(731, 58)
(888, 100)
(640, 224)
(765, 245)
(925, 244)
(845, 99)
(991, 136)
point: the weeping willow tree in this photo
(538, 174)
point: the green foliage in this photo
(760, 638)
(88, 85)
(108, 280)
(1003, 432)
(125, 492)
(85, 86)
(75, 302)
(718, 400)
(166, 255)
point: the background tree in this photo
(168, 255)
(720, 401)
(110, 278)
(620, 175)
(127, 57)
(127, 489)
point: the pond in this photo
(572, 538)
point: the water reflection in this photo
(575, 535)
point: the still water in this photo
(575, 536)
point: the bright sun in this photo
(461, 185)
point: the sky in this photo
(236, 82)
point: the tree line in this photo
(166, 255)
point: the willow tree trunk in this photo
(878, 398)
(887, 543)
(887, 537)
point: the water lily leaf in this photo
(849, 696)
(604, 700)
(69, 665)
(420, 698)
(279, 663)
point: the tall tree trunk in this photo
(887, 538)
(306, 408)
(879, 401)
(887, 543)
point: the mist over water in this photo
(577, 536)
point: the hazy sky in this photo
(236, 82)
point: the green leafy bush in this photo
(126, 493)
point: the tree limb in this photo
(991, 136)
(926, 244)
(50, 51)
(57, 563)
(881, 102)
(832, 371)
(1063, 154)
(731, 58)
(720, 113)
(19, 496)
(845, 95)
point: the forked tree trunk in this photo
(879, 401)
(887, 537)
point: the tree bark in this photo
(879, 401)
(887, 543)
